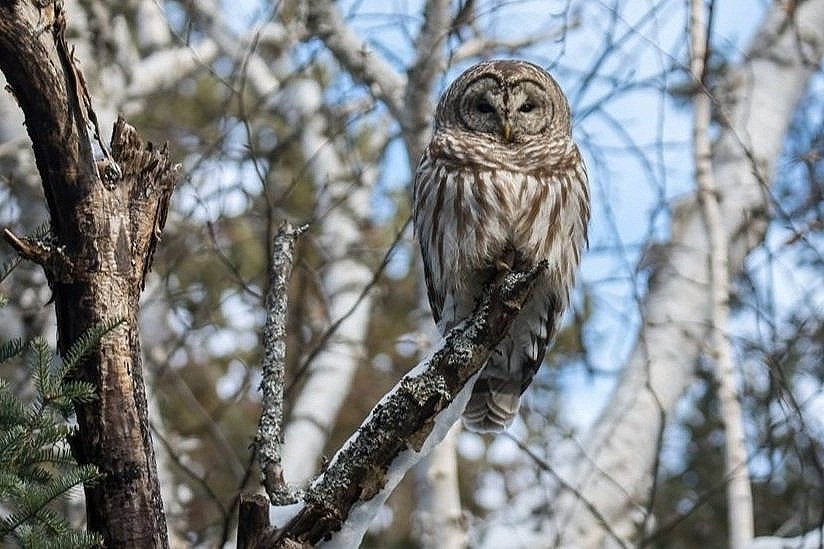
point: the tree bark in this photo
(269, 438)
(106, 219)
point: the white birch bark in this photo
(736, 471)
(439, 517)
(439, 520)
(331, 372)
(614, 470)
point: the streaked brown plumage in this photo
(501, 184)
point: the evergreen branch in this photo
(11, 441)
(12, 411)
(71, 393)
(38, 360)
(48, 435)
(51, 456)
(11, 349)
(7, 267)
(33, 504)
(10, 484)
(38, 468)
(67, 540)
(86, 343)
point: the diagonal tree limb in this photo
(402, 428)
(325, 21)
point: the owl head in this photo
(506, 101)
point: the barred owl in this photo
(501, 185)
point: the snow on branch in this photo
(403, 427)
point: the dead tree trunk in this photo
(106, 219)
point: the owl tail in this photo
(493, 405)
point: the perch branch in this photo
(402, 422)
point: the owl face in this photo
(508, 102)
(509, 110)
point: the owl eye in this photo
(527, 107)
(484, 107)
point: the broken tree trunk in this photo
(106, 218)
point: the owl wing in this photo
(495, 399)
(425, 191)
(436, 297)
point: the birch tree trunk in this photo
(345, 278)
(612, 475)
(736, 471)
(439, 517)
(106, 219)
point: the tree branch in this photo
(324, 20)
(270, 428)
(403, 427)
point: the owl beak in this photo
(506, 130)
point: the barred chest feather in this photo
(473, 215)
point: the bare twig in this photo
(545, 466)
(28, 249)
(270, 429)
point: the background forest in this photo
(317, 111)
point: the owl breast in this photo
(480, 213)
(490, 211)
